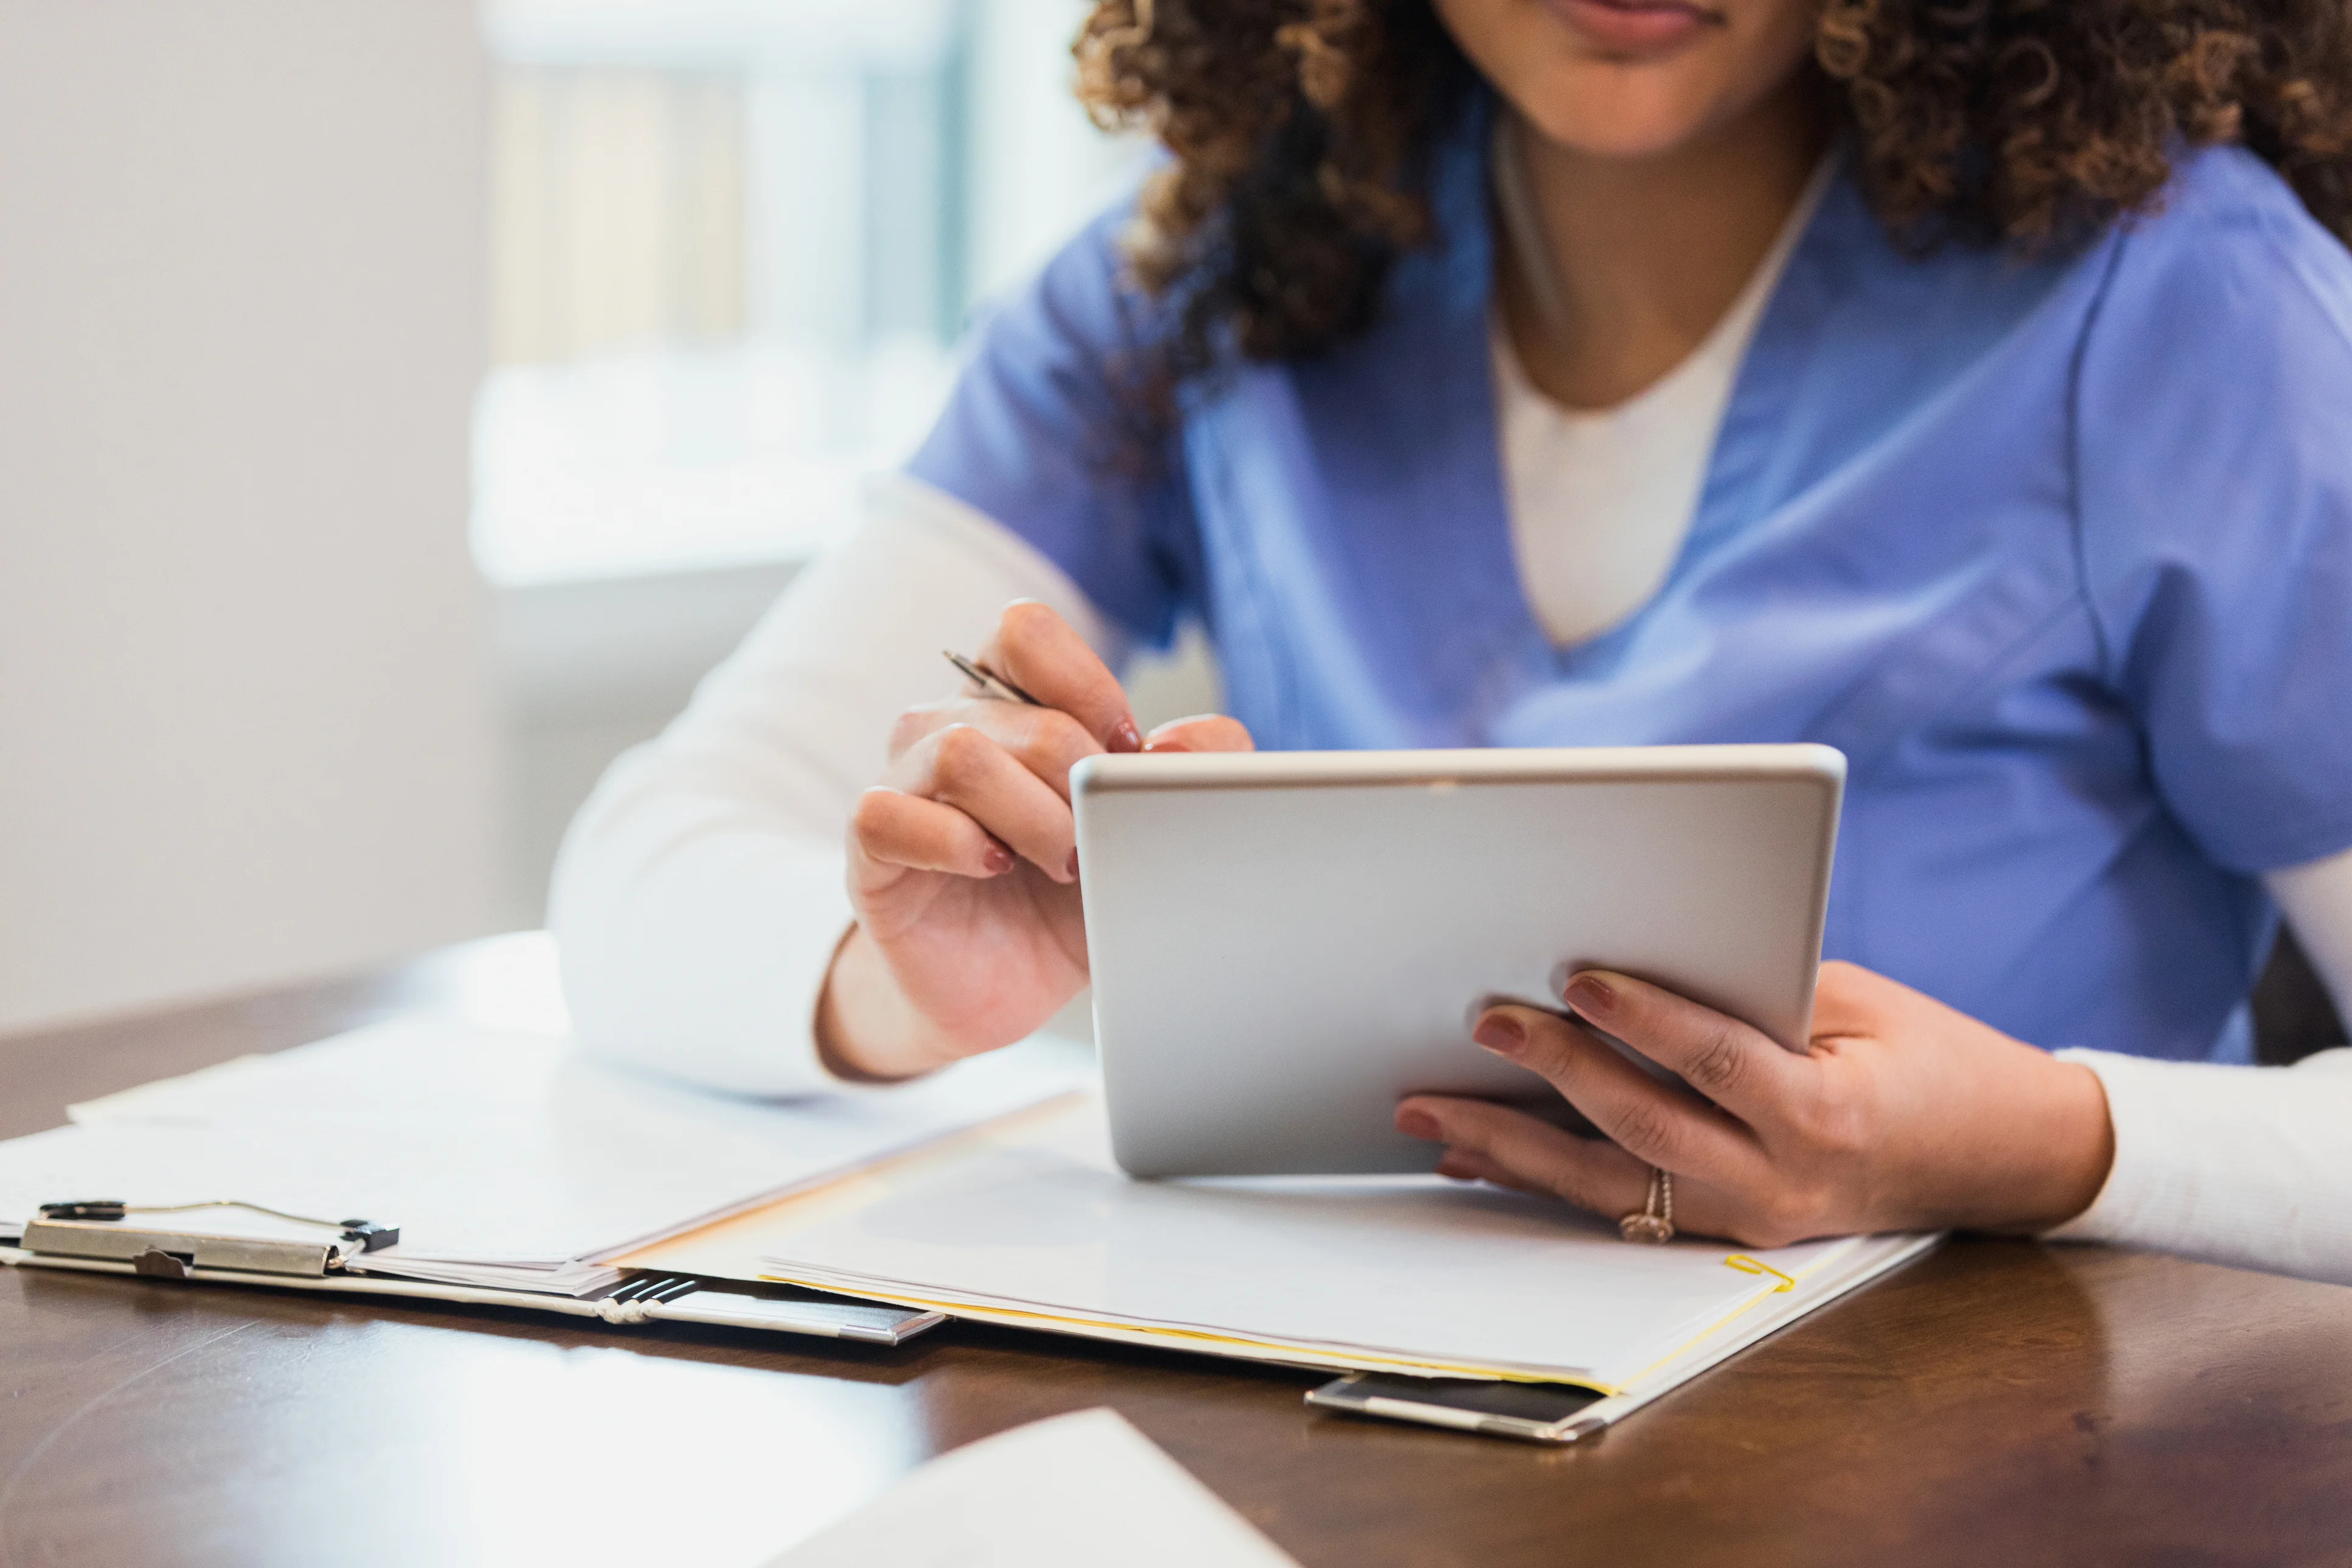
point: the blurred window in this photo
(733, 243)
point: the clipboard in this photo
(106, 1237)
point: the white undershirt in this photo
(700, 895)
(1601, 500)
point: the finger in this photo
(962, 767)
(1201, 732)
(1490, 1142)
(1851, 1000)
(1037, 650)
(1461, 1165)
(1736, 1066)
(1657, 1123)
(1046, 740)
(898, 829)
(1534, 1155)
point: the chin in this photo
(1627, 96)
(1614, 118)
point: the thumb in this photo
(1201, 732)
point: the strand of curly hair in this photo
(1300, 131)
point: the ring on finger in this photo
(1654, 1220)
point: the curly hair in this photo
(1300, 132)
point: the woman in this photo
(1968, 387)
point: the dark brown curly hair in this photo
(1301, 133)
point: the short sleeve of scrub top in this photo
(2214, 421)
(1041, 435)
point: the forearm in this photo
(699, 900)
(867, 1031)
(2250, 1166)
(694, 941)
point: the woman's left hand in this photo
(1906, 1115)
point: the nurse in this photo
(1969, 388)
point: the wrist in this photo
(2074, 1145)
(865, 1030)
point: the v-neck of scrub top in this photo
(1351, 526)
(1601, 500)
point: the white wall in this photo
(246, 729)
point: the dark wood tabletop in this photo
(1996, 1403)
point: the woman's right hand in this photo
(963, 865)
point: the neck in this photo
(1638, 259)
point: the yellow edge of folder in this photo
(1745, 1264)
(1740, 1261)
(1269, 1347)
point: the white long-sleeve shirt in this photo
(700, 896)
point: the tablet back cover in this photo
(1284, 945)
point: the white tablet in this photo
(1285, 944)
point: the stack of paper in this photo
(1029, 1222)
(506, 1159)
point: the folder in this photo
(1028, 1222)
(429, 1159)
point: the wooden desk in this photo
(1996, 1403)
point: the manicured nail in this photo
(1073, 865)
(1418, 1124)
(1501, 1034)
(1591, 997)
(997, 858)
(1124, 737)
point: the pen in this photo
(991, 684)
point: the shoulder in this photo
(2230, 246)
(2225, 314)
(2212, 425)
(1049, 367)
(1082, 302)
(2216, 190)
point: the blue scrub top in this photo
(2059, 553)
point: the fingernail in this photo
(1124, 737)
(1418, 1124)
(1073, 865)
(1591, 997)
(1501, 1034)
(997, 858)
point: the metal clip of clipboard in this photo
(89, 1235)
(93, 1229)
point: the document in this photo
(507, 1159)
(1030, 1222)
(1074, 1492)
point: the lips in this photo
(1635, 27)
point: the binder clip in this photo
(92, 1228)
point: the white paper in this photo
(1422, 1269)
(504, 1157)
(1075, 1491)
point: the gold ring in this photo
(1655, 1221)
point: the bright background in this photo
(402, 404)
